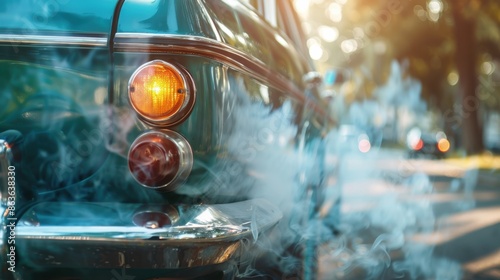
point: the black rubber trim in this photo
(111, 40)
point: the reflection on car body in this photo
(131, 106)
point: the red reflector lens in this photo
(158, 160)
(154, 163)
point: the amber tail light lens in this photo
(161, 93)
(160, 160)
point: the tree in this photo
(464, 19)
(445, 42)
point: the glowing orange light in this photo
(443, 145)
(419, 145)
(157, 91)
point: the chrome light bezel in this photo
(185, 153)
(186, 107)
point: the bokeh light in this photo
(487, 67)
(453, 78)
(349, 46)
(328, 34)
(420, 12)
(315, 49)
(435, 7)
(335, 12)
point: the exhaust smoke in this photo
(378, 208)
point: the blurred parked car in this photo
(427, 144)
(121, 127)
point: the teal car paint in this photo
(65, 67)
(29, 17)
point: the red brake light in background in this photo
(160, 160)
(418, 145)
(161, 93)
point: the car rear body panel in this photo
(66, 66)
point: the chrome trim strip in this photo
(213, 49)
(210, 48)
(57, 40)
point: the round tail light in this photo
(160, 160)
(417, 145)
(161, 93)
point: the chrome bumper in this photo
(139, 236)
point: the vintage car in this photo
(156, 139)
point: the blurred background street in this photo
(416, 219)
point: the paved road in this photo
(413, 219)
